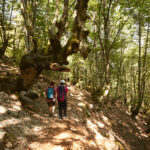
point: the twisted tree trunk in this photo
(33, 63)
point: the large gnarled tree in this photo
(34, 62)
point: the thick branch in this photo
(62, 24)
(78, 41)
(55, 49)
(33, 64)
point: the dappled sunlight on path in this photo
(83, 129)
(77, 131)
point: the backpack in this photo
(61, 93)
(50, 93)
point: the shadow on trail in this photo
(126, 130)
(111, 128)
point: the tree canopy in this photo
(112, 35)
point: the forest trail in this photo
(84, 129)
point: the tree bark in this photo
(119, 72)
(106, 48)
(5, 38)
(144, 64)
(136, 111)
(33, 63)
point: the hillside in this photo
(31, 128)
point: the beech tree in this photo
(34, 62)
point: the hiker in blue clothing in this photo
(51, 97)
(62, 91)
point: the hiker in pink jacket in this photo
(62, 91)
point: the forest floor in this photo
(111, 128)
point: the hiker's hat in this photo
(62, 82)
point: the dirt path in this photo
(109, 129)
(70, 133)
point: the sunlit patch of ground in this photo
(76, 133)
(47, 146)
